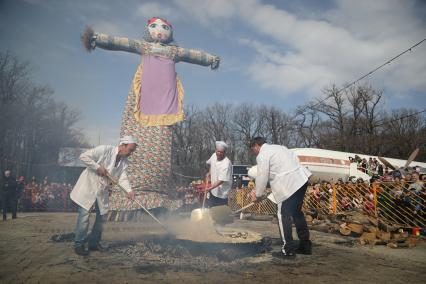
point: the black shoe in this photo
(305, 247)
(97, 247)
(282, 254)
(304, 250)
(81, 251)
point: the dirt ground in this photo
(28, 255)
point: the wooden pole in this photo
(375, 199)
(334, 199)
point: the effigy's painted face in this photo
(159, 30)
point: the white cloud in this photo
(209, 12)
(108, 27)
(302, 54)
(267, 51)
(407, 73)
(154, 9)
(375, 20)
(290, 78)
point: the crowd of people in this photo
(19, 195)
(46, 196)
(370, 166)
(406, 193)
(393, 196)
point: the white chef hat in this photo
(127, 140)
(220, 145)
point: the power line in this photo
(386, 121)
(384, 64)
(367, 74)
(399, 118)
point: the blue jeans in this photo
(83, 226)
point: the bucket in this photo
(415, 231)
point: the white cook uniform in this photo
(91, 187)
(281, 167)
(220, 171)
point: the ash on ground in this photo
(166, 253)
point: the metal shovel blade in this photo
(199, 214)
(221, 215)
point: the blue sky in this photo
(277, 53)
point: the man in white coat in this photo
(220, 173)
(289, 181)
(93, 187)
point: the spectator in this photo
(21, 188)
(386, 170)
(45, 183)
(357, 159)
(9, 194)
(364, 165)
(407, 177)
(316, 194)
(417, 192)
(380, 170)
(371, 166)
(369, 204)
(417, 184)
(34, 190)
(345, 203)
(329, 187)
(357, 200)
(27, 204)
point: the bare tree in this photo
(368, 104)
(246, 124)
(334, 108)
(350, 120)
(33, 125)
(217, 119)
(353, 120)
(404, 131)
(13, 77)
(308, 128)
(189, 145)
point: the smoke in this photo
(198, 231)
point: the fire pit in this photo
(167, 249)
(201, 239)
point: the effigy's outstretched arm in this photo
(91, 40)
(197, 57)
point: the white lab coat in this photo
(282, 169)
(220, 171)
(90, 186)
